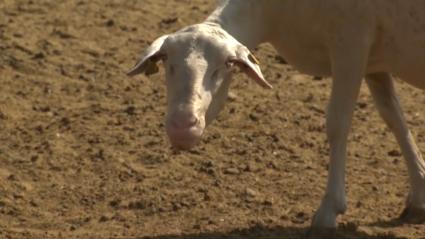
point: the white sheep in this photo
(345, 39)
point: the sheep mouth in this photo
(185, 139)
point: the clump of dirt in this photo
(83, 153)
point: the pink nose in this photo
(184, 129)
(183, 120)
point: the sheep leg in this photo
(348, 60)
(382, 89)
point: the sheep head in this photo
(198, 62)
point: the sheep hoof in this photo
(321, 233)
(413, 215)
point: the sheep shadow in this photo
(344, 232)
(396, 222)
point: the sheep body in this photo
(303, 30)
(346, 39)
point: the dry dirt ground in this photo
(83, 152)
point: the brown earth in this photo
(83, 152)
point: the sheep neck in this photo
(243, 20)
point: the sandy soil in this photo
(83, 152)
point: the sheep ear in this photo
(152, 55)
(247, 62)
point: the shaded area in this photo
(280, 233)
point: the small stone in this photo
(130, 110)
(299, 218)
(253, 117)
(268, 202)
(2, 116)
(250, 192)
(232, 171)
(359, 204)
(138, 205)
(170, 20)
(39, 55)
(12, 177)
(110, 23)
(103, 218)
(394, 153)
(232, 96)
(115, 203)
(33, 203)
